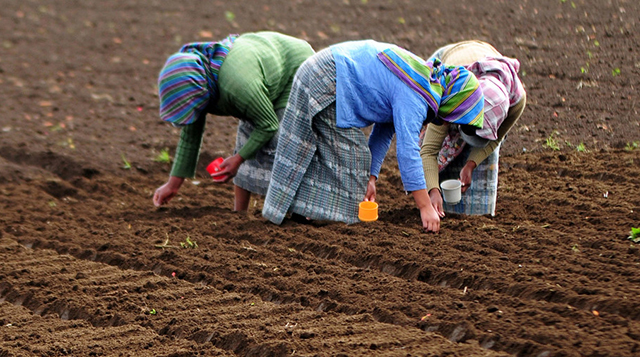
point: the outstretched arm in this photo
(166, 192)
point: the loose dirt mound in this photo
(90, 267)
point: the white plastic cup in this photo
(451, 191)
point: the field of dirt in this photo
(91, 268)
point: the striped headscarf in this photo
(452, 92)
(188, 80)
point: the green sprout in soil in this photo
(581, 147)
(551, 142)
(163, 156)
(634, 235)
(188, 243)
(230, 16)
(126, 165)
(615, 72)
(632, 146)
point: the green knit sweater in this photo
(254, 81)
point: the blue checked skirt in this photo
(320, 171)
(254, 174)
(480, 198)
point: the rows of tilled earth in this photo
(91, 267)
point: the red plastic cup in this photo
(214, 167)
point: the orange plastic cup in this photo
(368, 211)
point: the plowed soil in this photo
(91, 267)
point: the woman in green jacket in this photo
(248, 77)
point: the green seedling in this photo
(126, 165)
(615, 72)
(188, 243)
(632, 146)
(163, 156)
(634, 235)
(230, 16)
(581, 147)
(152, 312)
(551, 142)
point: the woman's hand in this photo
(428, 215)
(228, 169)
(436, 201)
(371, 189)
(465, 175)
(430, 219)
(166, 192)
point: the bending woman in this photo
(470, 155)
(248, 77)
(324, 166)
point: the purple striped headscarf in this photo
(188, 80)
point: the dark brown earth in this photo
(91, 267)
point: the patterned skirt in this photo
(254, 175)
(480, 198)
(320, 171)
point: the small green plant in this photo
(153, 312)
(632, 146)
(163, 156)
(230, 16)
(634, 235)
(188, 243)
(615, 72)
(126, 165)
(581, 147)
(551, 142)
